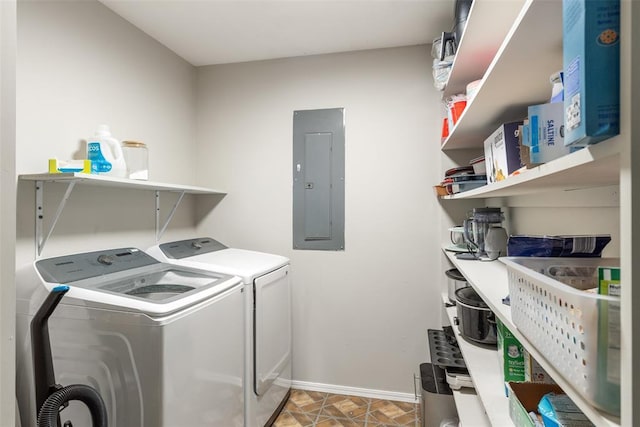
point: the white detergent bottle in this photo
(105, 153)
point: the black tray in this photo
(444, 350)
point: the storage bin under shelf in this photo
(577, 331)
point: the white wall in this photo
(7, 209)
(360, 316)
(80, 65)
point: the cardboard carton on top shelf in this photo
(525, 152)
(591, 60)
(502, 152)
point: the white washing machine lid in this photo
(207, 253)
(130, 280)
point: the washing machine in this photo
(267, 317)
(162, 344)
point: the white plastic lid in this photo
(103, 130)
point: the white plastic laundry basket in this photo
(577, 331)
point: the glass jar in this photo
(136, 157)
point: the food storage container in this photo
(136, 157)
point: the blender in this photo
(483, 222)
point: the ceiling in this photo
(206, 32)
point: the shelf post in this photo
(157, 214)
(160, 232)
(39, 214)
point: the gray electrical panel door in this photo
(318, 179)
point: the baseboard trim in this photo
(354, 391)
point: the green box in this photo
(510, 354)
(609, 281)
(516, 364)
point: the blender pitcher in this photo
(476, 227)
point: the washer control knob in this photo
(196, 245)
(105, 259)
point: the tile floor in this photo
(310, 408)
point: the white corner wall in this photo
(80, 65)
(7, 209)
(360, 316)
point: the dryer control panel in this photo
(186, 248)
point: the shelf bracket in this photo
(41, 238)
(160, 230)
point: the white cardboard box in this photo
(502, 152)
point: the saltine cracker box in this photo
(591, 60)
(545, 133)
(502, 152)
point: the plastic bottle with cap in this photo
(105, 153)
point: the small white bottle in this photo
(105, 154)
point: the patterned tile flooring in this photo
(310, 408)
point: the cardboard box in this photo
(510, 354)
(525, 151)
(60, 166)
(516, 364)
(524, 398)
(558, 410)
(545, 133)
(502, 152)
(609, 338)
(533, 372)
(591, 57)
(609, 281)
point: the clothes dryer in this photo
(162, 344)
(267, 317)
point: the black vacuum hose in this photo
(48, 416)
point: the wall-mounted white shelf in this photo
(487, 26)
(594, 166)
(71, 179)
(482, 363)
(108, 181)
(470, 409)
(517, 77)
(468, 404)
(490, 280)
